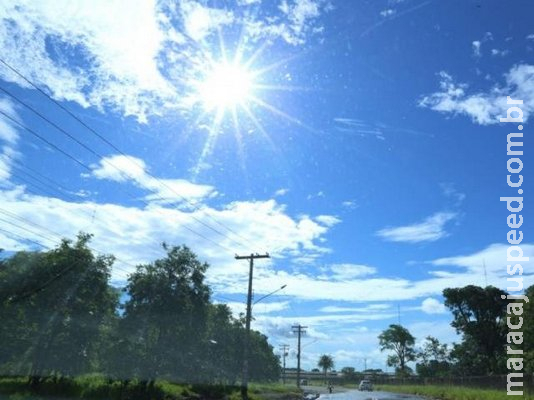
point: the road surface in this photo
(356, 395)
(353, 394)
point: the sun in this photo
(225, 87)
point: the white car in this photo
(366, 385)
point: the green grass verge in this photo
(98, 387)
(451, 392)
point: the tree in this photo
(528, 330)
(61, 300)
(326, 362)
(165, 317)
(434, 359)
(401, 342)
(480, 316)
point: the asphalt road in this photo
(357, 395)
(353, 394)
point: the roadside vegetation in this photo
(450, 392)
(67, 331)
(96, 386)
(480, 317)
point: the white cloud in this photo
(432, 306)
(9, 137)
(341, 272)
(297, 21)
(429, 230)
(490, 261)
(484, 108)
(200, 21)
(500, 53)
(281, 192)
(119, 45)
(476, 48)
(121, 168)
(366, 309)
(136, 58)
(327, 220)
(387, 12)
(134, 234)
(350, 204)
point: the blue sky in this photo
(357, 142)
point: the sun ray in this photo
(261, 129)
(227, 92)
(282, 114)
(239, 141)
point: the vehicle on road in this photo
(365, 385)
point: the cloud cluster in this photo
(484, 108)
(134, 58)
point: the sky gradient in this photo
(363, 150)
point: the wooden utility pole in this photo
(244, 380)
(284, 348)
(299, 329)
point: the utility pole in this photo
(300, 330)
(244, 380)
(284, 348)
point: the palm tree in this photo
(326, 362)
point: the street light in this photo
(269, 294)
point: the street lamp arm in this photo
(269, 294)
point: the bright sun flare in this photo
(225, 87)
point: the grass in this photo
(98, 387)
(451, 392)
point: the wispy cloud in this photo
(9, 137)
(387, 12)
(476, 48)
(477, 44)
(346, 271)
(120, 168)
(429, 230)
(450, 191)
(487, 107)
(281, 192)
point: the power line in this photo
(85, 166)
(53, 233)
(62, 192)
(102, 138)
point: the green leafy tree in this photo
(165, 316)
(60, 299)
(434, 359)
(326, 363)
(264, 365)
(480, 316)
(528, 330)
(399, 340)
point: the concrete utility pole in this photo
(300, 330)
(244, 380)
(284, 348)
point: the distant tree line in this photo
(61, 317)
(479, 316)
